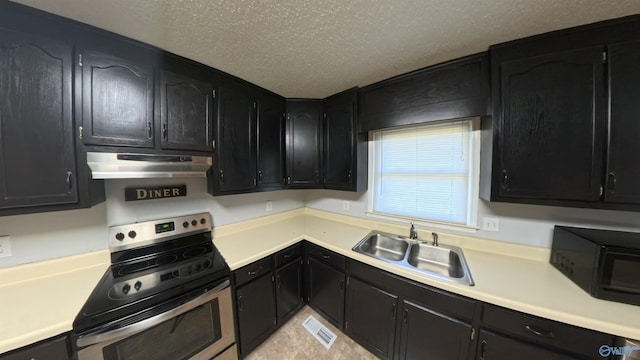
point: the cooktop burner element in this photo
(155, 261)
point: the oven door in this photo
(197, 328)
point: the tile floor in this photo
(293, 341)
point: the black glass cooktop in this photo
(140, 278)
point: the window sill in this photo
(469, 229)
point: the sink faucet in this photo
(435, 238)
(413, 233)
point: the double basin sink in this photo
(443, 261)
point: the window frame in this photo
(474, 182)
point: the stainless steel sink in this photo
(444, 261)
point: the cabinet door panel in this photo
(117, 101)
(304, 146)
(326, 291)
(623, 175)
(550, 141)
(370, 319)
(186, 113)
(289, 290)
(497, 347)
(235, 161)
(425, 331)
(255, 303)
(52, 349)
(271, 142)
(339, 142)
(37, 157)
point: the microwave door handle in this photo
(99, 337)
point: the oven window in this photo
(621, 272)
(175, 339)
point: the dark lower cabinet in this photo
(371, 317)
(425, 331)
(325, 287)
(256, 309)
(37, 148)
(496, 347)
(56, 348)
(289, 290)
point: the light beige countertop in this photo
(513, 276)
(41, 300)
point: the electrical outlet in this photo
(491, 224)
(346, 205)
(269, 206)
(5, 246)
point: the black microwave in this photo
(604, 263)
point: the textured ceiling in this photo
(314, 48)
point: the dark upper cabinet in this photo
(234, 165)
(117, 100)
(37, 148)
(186, 112)
(371, 317)
(256, 309)
(455, 89)
(344, 150)
(270, 142)
(623, 164)
(550, 117)
(304, 143)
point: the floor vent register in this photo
(319, 331)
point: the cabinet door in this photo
(496, 347)
(186, 113)
(37, 157)
(551, 127)
(234, 163)
(304, 144)
(256, 307)
(51, 349)
(425, 331)
(271, 142)
(339, 141)
(326, 291)
(289, 290)
(623, 175)
(117, 101)
(371, 317)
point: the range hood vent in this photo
(141, 166)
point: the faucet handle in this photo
(413, 233)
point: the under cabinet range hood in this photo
(139, 166)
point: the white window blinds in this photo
(425, 172)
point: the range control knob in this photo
(203, 221)
(194, 223)
(126, 288)
(119, 236)
(185, 224)
(132, 234)
(137, 285)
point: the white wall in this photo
(522, 224)
(38, 237)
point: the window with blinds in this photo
(427, 172)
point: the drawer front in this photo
(252, 271)
(543, 331)
(326, 256)
(55, 349)
(287, 255)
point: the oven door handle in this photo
(100, 337)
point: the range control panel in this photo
(123, 237)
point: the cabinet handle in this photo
(69, 183)
(213, 145)
(505, 179)
(483, 349)
(611, 184)
(405, 316)
(259, 175)
(288, 180)
(221, 176)
(290, 254)
(539, 332)
(393, 311)
(149, 130)
(326, 257)
(350, 177)
(164, 131)
(254, 271)
(240, 303)
(278, 282)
